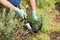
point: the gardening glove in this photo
(21, 13)
(34, 15)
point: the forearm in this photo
(6, 3)
(32, 3)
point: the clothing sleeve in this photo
(14, 2)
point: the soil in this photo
(54, 36)
(57, 6)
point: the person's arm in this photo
(32, 3)
(33, 7)
(6, 3)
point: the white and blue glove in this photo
(21, 13)
(34, 15)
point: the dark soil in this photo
(54, 36)
(57, 6)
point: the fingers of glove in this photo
(34, 15)
(35, 18)
(23, 14)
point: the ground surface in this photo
(49, 31)
(54, 36)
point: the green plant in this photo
(7, 24)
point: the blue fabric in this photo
(14, 2)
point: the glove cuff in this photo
(34, 12)
(16, 9)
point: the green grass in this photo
(10, 21)
(49, 25)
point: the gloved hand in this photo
(34, 15)
(21, 13)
